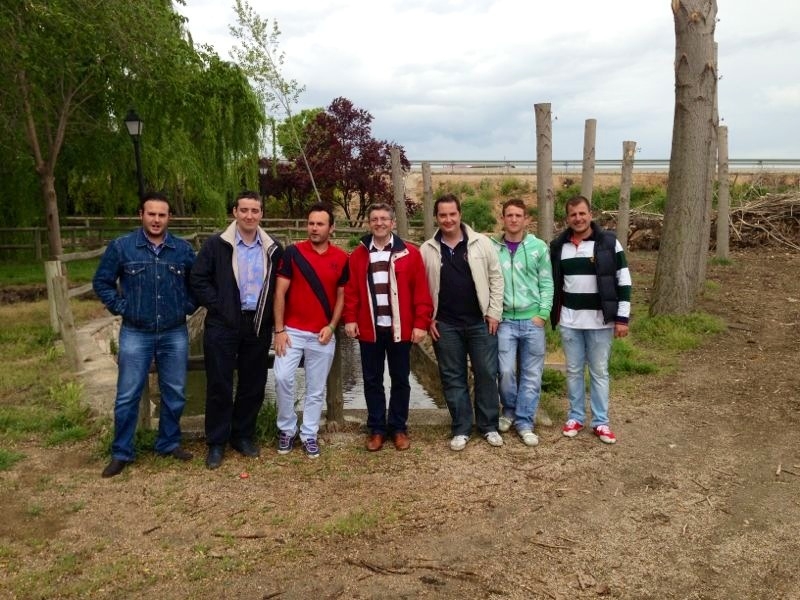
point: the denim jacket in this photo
(153, 292)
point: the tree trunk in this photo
(724, 196)
(427, 200)
(705, 242)
(398, 186)
(51, 214)
(589, 140)
(677, 278)
(544, 170)
(624, 212)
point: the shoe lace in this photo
(311, 445)
(603, 429)
(572, 423)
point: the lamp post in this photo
(263, 169)
(135, 125)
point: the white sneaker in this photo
(504, 423)
(528, 437)
(494, 439)
(458, 443)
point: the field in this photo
(698, 499)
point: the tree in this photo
(352, 169)
(291, 133)
(677, 278)
(60, 64)
(260, 57)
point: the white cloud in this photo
(457, 79)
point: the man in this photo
(234, 278)
(388, 307)
(466, 285)
(592, 307)
(309, 297)
(527, 300)
(152, 268)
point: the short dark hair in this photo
(321, 207)
(444, 199)
(381, 206)
(247, 195)
(514, 202)
(151, 195)
(575, 200)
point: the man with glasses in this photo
(387, 307)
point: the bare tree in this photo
(677, 279)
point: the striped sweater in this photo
(580, 297)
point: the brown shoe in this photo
(401, 441)
(375, 442)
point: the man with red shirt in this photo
(387, 306)
(309, 296)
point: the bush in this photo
(478, 214)
(512, 185)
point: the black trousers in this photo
(227, 350)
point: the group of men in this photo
(484, 301)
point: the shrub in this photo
(478, 214)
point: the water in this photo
(352, 383)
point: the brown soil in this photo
(699, 499)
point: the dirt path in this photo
(687, 505)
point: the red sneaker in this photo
(571, 428)
(605, 434)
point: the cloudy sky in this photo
(458, 79)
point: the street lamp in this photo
(263, 169)
(135, 125)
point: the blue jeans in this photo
(137, 350)
(520, 398)
(374, 356)
(455, 344)
(317, 361)
(592, 347)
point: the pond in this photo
(353, 384)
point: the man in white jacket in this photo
(466, 285)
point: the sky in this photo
(458, 79)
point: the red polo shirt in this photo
(303, 309)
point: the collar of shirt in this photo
(387, 248)
(239, 240)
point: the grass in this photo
(31, 272)
(8, 458)
(38, 395)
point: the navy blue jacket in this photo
(153, 292)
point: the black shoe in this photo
(215, 456)
(178, 453)
(245, 447)
(115, 467)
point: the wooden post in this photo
(334, 396)
(544, 169)
(724, 195)
(624, 212)
(66, 322)
(399, 193)
(427, 200)
(37, 243)
(589, 140)
(52, 269)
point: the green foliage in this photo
(352, 524)
(31, 272)
(266, 424)
(8, 458)
(554, 382)
(353, 241)
(459, 188)
(513, 185)
(626, 359)
(643, 198)
(676, 333)
(478, 213)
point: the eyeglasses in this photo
(380, 220)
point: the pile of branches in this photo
(772, 219)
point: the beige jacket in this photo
(484, 264)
